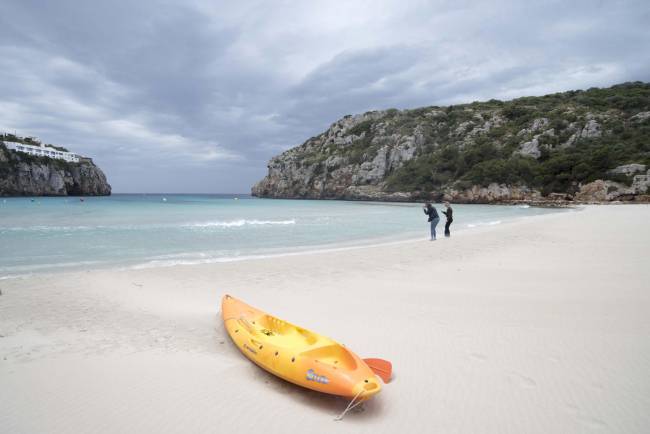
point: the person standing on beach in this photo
(433, 218)
(450, 218)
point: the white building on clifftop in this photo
(42, 151)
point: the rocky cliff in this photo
(589, 145)
(26, 175)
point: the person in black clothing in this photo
(449, 213)
(433, 218)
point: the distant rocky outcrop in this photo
(602, 191)
(27, 175)
(561, 147)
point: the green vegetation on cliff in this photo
(555, 143)
(11, 161)
(492, 156)
(27, 141)
(22, 174)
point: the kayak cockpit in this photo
(281, 333)
(335, 355)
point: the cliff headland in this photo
(577, 146)
(31, 174)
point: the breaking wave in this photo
(492, 223)
(208, 224)
(240, 222)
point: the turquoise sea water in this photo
(51, 234)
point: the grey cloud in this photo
(197, 96)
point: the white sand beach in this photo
(537, 326)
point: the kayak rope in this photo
(350, 406)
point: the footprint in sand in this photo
(592, 422)
(589, 421)
(478, 356)
(598, 386)
(522, 380)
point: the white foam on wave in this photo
(217, 223)
(191, 255)
(42, 228)
(171, 263)
(13, 276)
(38, 267)
(216, 260)
(239, 222)
(491, 223)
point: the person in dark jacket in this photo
(450, 218)
(433, 218)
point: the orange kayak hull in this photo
(296, 354)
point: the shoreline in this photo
(555, 200)
(402, 197)
(407, 237)
(544, 320)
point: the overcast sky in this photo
(196, 96)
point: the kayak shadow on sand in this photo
(222, 343)
(327, 404)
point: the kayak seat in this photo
(285, 334)
(334, 355)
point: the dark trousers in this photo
(447, 233)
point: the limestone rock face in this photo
(310, 171)
(20, 177)
(355, 156)
(537, 125)
(601, 191)
(591, 129)
(377, 155)
(493, 193)
(530, 148)
(640, 117)
(593, 192)
(641, 183)
(628, 169)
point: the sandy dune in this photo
(538, 326)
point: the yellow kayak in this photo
(300, 356)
